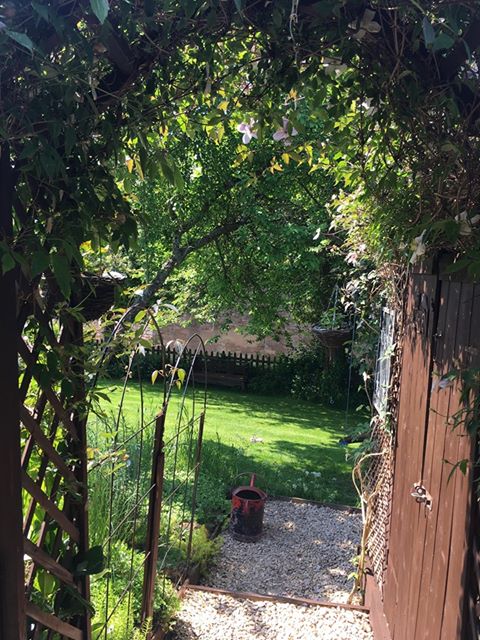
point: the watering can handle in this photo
(253, 476)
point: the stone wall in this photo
(234, 339)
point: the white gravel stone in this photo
(218, 617)
(305, 551)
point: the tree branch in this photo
(176, 258)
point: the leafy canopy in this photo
(396, 87)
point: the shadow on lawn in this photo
(308, 415)
(317, 472)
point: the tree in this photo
(80, 83)
(236, 230)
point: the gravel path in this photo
(217, 617)
(305, 551)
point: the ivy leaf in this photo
(22, 39)
(100, 8)
(428, 31)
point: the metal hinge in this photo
(421, 495)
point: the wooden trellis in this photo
(45, 559)
(54, 483)
(44, 591)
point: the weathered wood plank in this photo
(247, 595)
(53, 511)
(416, 364)
(12, 615)
(432, 468)
(446, 489)
(52, 622)
(45, 445)
(456, 592)
(42, 558)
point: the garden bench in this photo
(234, 380)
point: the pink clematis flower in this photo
(284, 134)
(248, 130)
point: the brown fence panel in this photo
(431, 584)
(416, 370)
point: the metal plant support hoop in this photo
(172, 441)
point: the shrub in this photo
(212, 504)
(126, 566)
(277, 381)
(314, 378)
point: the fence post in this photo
(153, 519)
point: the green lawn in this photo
(297, 452)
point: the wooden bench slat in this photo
(226, 379)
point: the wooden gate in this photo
(425, 587)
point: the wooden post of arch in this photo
(12, 599)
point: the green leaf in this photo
(239, 5)
(42, 11)
(461, 464)
(61, 271)
(89, 562)
(8, 263)
(52, 362)
(46, 583)
(22, 39)
(428, 31)
(178, 179)
(100, 8)
(154, 376)
(443, 41)
(462, 263)
(40, 262)
(70, 140)
(140, 316)
(167, 169)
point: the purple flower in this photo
(284, 133)
(248, 130)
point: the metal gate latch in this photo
(421, 495)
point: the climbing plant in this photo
(85, 84)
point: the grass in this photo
(296, 452)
